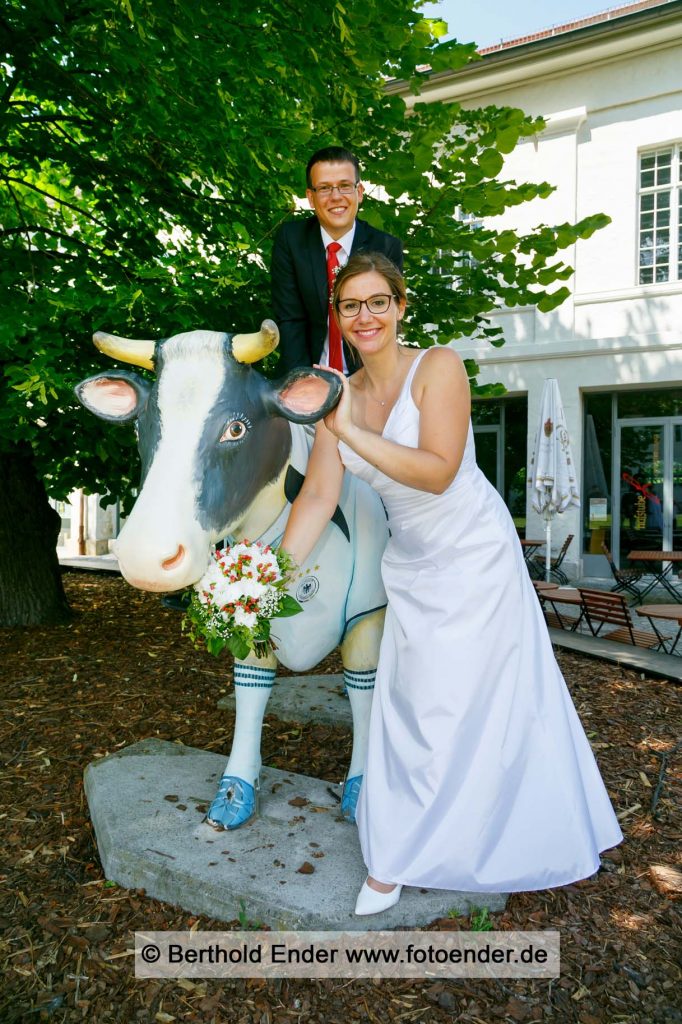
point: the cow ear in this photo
(118, 397)
(305, 395)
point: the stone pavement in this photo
(649, 662)
(89, 563)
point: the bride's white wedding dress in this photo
(479, 774)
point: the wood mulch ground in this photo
(122, 671)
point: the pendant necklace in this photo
(379, 401)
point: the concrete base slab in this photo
(305, 699)
(296, 866)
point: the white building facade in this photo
(610, 91)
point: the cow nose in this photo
(175, 561)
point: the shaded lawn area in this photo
(122, 671)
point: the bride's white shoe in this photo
(370, 901)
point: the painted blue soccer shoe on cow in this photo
(236, 802)
(349, 800)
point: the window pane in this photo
(515, 445)
(597, 440)
(661, 402)
(484, 411)
(641, 488)
(486, 455)
(656, 200)
(511, 414)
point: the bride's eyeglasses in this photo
(375, 304)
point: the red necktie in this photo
(335, 342)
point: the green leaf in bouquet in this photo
(239, 646)
(288, 606)
(263, 634)
(215, 645)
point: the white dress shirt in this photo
(346, 242)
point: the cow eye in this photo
(234, 431)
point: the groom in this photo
(306, 254)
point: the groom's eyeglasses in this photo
(346, 188)
(375, 304)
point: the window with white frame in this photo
(660, 215)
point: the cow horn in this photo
(249, 348)
(127, 350)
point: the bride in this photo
(479, 776)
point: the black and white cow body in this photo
(224, 452)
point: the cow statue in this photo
(224, 453)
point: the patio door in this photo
(648, 485)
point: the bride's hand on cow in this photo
(340, 420)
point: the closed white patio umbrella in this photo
(552, 476)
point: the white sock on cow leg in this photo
(360, 686)
(252, 686)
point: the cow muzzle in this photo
(149, 564)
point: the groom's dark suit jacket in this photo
(299, 286)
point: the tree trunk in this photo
(31, 591)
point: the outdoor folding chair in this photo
(626, 579)
(602, 608)
(555, 562)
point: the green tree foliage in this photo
(151, 149)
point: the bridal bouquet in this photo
(235, 600)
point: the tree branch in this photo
(20, 215)
(5, 98)
(53, 119)
(41, 229)
(56, 199)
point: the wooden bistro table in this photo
(660, 565)
(671, 612)
(564, 596)
(541, 588)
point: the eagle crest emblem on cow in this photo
(224, 453)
